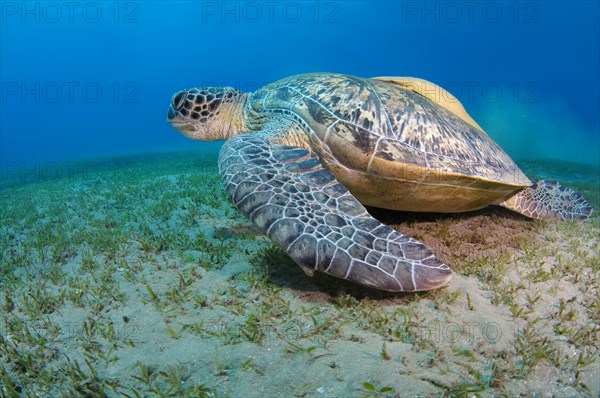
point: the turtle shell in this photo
(392, 146)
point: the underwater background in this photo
(125, 270)
(95, 78)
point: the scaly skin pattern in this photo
(548, 200)
(302, 156)
(301, 207)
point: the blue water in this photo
(88, 79)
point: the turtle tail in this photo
(548, 200)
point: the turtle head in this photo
(207, 114)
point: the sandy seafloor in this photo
(137, 277)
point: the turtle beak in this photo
(175, 119)
(171, 113)
(179, 123)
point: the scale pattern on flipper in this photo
(301, 207)
(549, 200)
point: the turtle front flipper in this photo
(301, 207)
(548, 200)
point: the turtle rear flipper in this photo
(301, 207)
(548, 200)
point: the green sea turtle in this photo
(304, 154)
